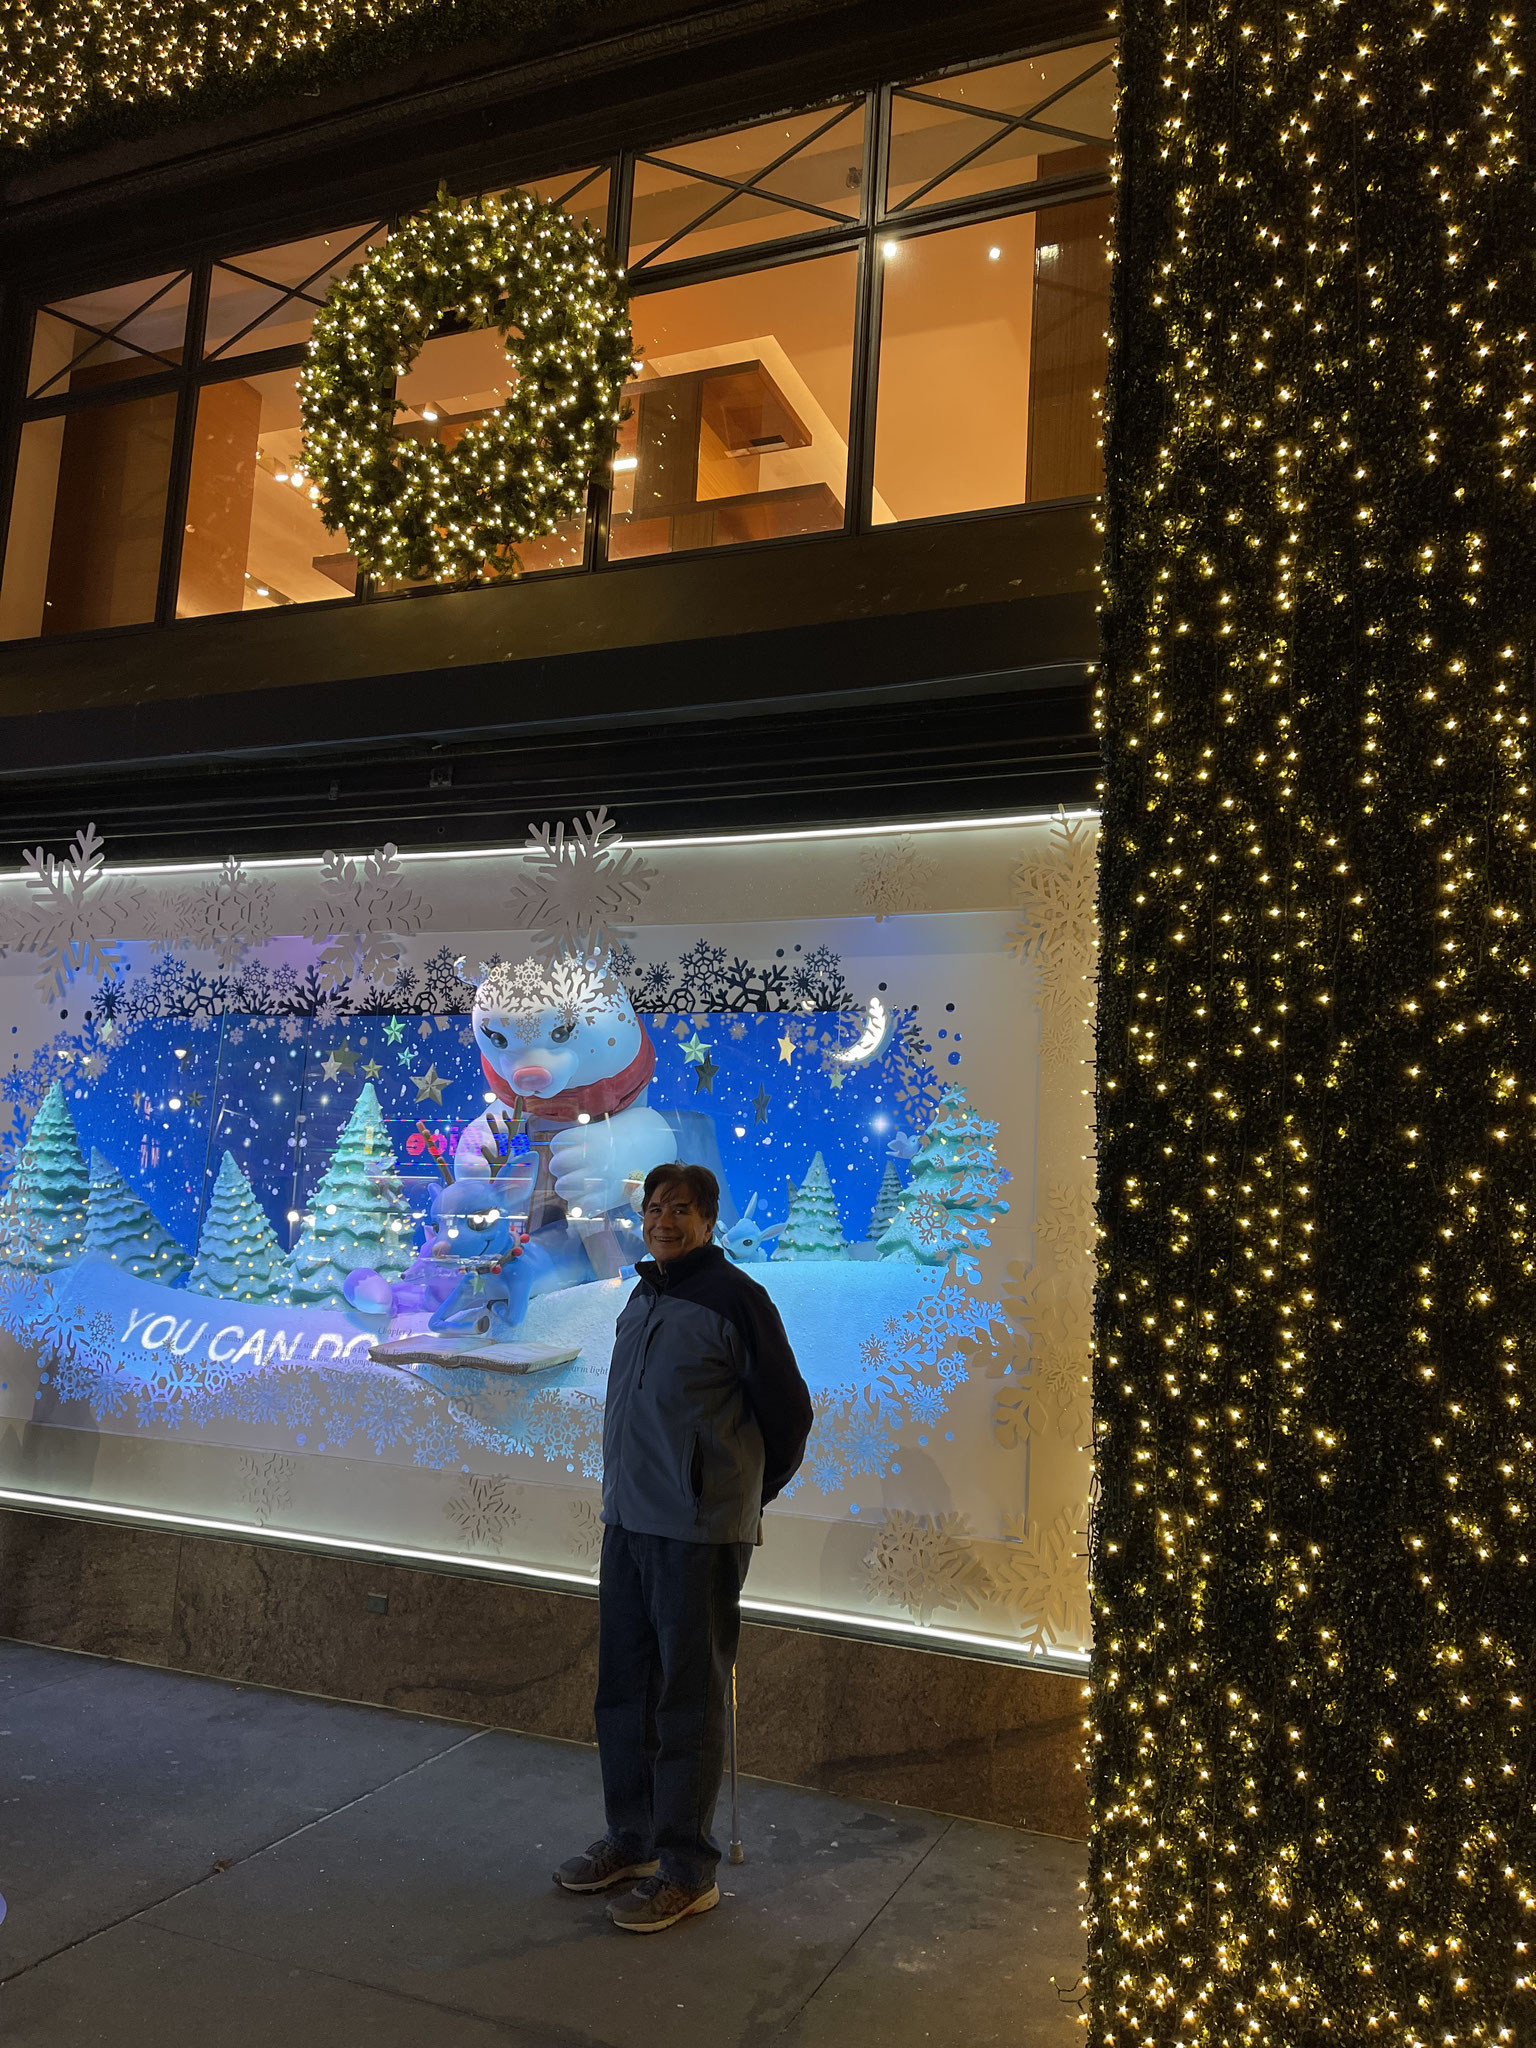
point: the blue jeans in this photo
(669, 1617)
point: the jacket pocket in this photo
(693, 1470)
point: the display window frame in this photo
(862, 235)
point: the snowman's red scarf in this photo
(598, 1098)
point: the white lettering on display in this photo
(279, 1347)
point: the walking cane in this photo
(738, 1854)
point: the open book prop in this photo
(477, 1354)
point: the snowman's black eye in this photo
(561, 1033)
(494, 1037)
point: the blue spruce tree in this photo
(43, 1219)
(122, 1228)
(238, 1255)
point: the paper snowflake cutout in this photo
(1052, 1312)
(482, 1510)
(266, 1483)
(1058, 932)
(586, 1532)
(923, 1562)
(71, 917)
(368, 910)
(228, 914)
(578, 991)
(895, 877)
(577, 888)
(1067, 1222)
(1042, 1575)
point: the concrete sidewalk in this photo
(190, 1864)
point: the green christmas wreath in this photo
(415, 508)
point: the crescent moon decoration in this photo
(874, 1039)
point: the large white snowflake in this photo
(368, 909)
(229, 914)
(895, 877)
(1052, 1312)
(1067, 1222)
(577, 888)
(1058, 931)
(266, 1483)
(71, 916)
(586, 1532)
(482, 1510)
(923, 1562)
(1043, 1577)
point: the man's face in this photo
(673, 1224)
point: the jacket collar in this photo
(665, 1278)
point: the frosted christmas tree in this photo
(887, 1202)
(812, 1229)
(953, 1192)
(357, 1216)
(238, 1255)
(122, 1228)
(42, 1225)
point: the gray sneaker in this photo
(656, 1904)
(603, 1865)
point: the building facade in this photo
(821, 642)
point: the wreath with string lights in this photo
(416, 508)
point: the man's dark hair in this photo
(698, 1180)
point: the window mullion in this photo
(182, 445)
(621, 187)
(866, 338)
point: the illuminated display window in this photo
(325, 1232)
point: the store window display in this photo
(282, 1199)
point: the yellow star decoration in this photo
(430, 1084)
(372, 1069)
(786, 1047)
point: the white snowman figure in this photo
(560, 1044)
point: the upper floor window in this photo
(813, 355)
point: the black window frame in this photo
(862, 235)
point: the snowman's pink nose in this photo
(530, 1080)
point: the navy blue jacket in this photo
(707, 1413)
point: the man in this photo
(706, 1422)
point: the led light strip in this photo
(775, 838)
(872, 1629)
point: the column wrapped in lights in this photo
(1312, 1765)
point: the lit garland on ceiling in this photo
(420, 508)
(74, 73)
(1315, 1619)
